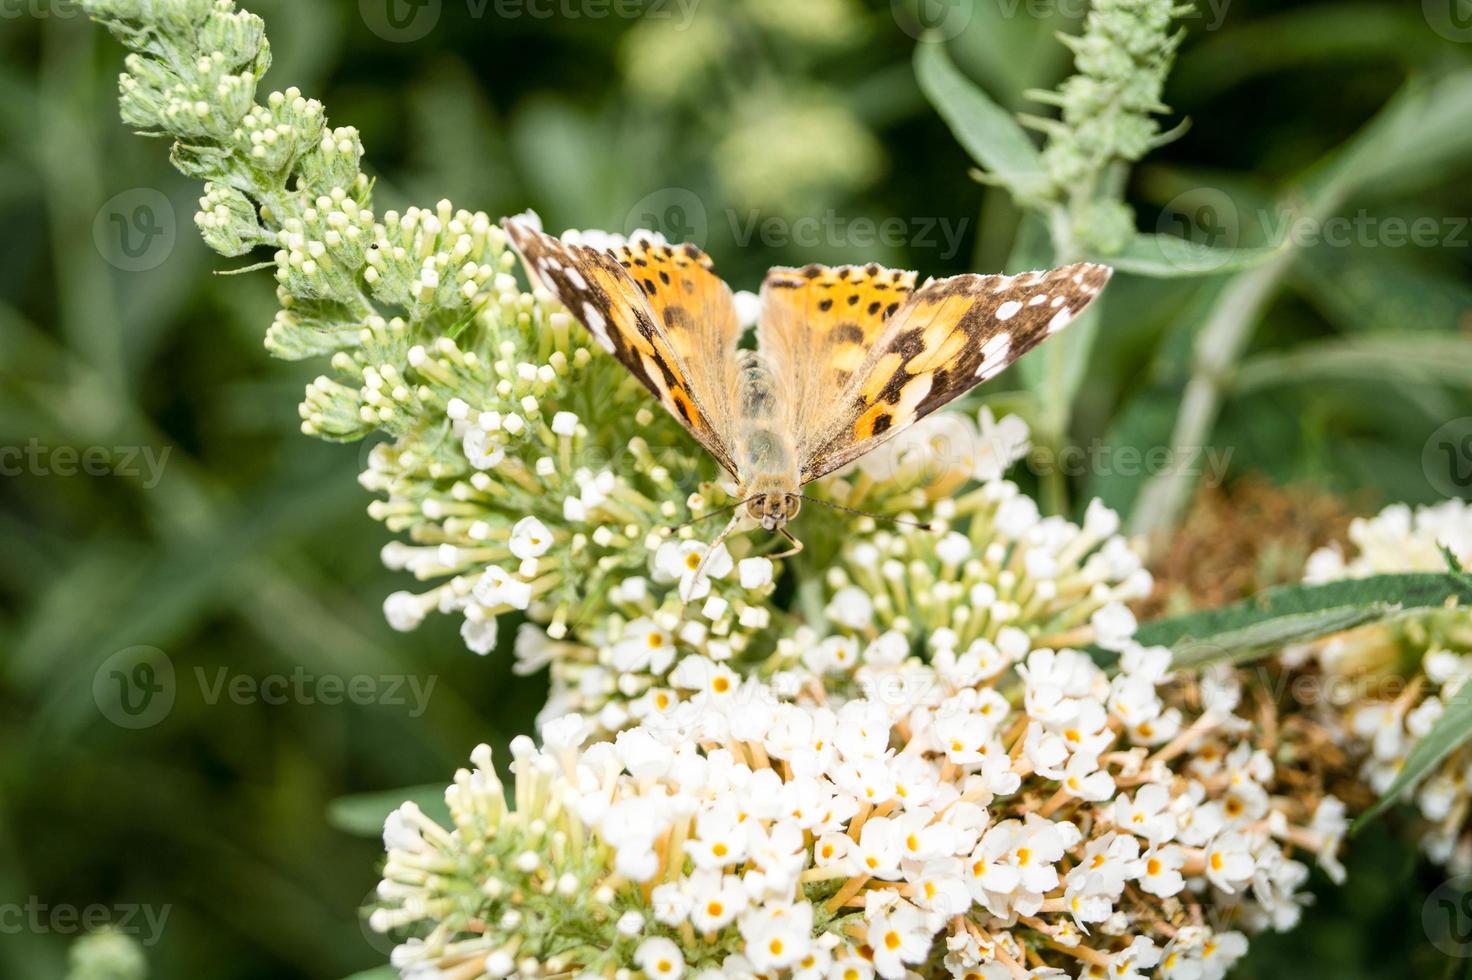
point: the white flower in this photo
(1114, 626)
(645, 646)
(852, 608)
(715, 899)
(404, 611)
(498, 587)
(480, 635)
(1229, 863)
(748, 307)
(1000, 444)
(530, 538)
(755, 573)
(679, 561)
(401, 830)
(778, 935)
(1146, 815)
(898, 936)
(834, 653)
(1160, 872)
(658, 957)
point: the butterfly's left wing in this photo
(659, 309)
(944, 340)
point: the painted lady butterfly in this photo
(846, 357)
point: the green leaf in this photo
(1167, 257)
(362, 814)
(1378, 289)
(1418, 358)
(1447, 734)
(1421, 138)
(1335, 37)
(377, 973)
(988, 132)
(1297, 613)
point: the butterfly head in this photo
(774, 509)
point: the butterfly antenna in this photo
(709, 552)
(865, 513)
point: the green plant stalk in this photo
(1218, 349)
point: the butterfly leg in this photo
(687, 589)
(796, 544)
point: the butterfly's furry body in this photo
(846, 358)
(763, 449)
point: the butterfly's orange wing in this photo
(942, 341)
(817, 327)
(661, 311)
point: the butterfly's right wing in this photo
(661, 311)
(817, 326)
(943, 340)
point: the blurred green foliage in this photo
(250, 552)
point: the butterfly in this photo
(847, 357)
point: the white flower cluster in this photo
(998, 813)
(1399, 539)
(1393, 710)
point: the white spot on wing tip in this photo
(1008, 309)
(994, 356)
(1060, 320)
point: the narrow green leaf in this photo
(362, 814)
(1168, 257)
(1447, 734)
(1297, 613)
(988, 132)
(1238, 645)
(1418, 358)
(1453, 563)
